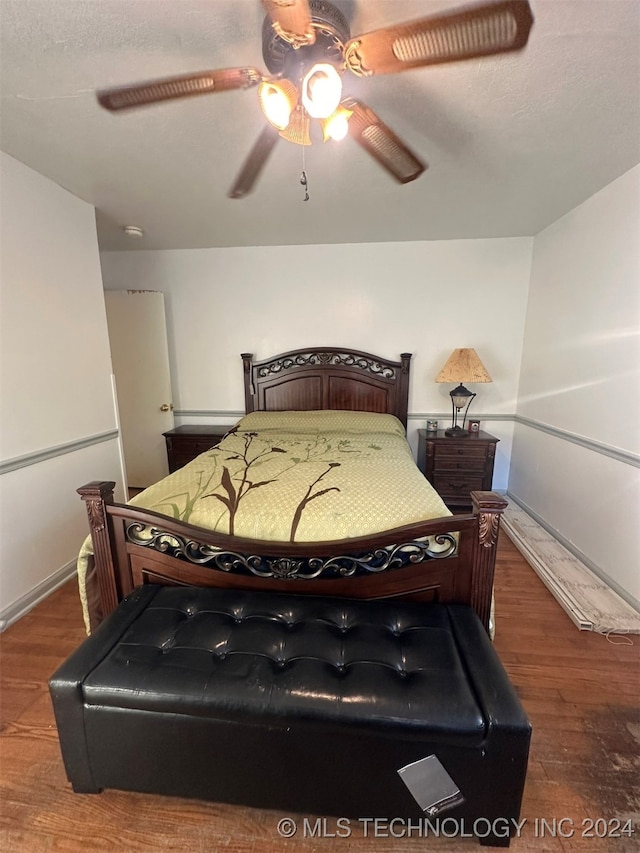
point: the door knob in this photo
(166, 407)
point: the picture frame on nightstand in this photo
(474, 425)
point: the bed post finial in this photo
(402, 400)
(488, 507)
(249, 390)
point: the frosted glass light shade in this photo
(336, 126)
(321, 90)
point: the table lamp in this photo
(463, 365)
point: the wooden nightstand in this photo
(457, 466)
(184, 443)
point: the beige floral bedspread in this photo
(301, 476)
(298, 476)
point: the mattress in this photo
(298, 477)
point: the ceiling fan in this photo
(307, 47)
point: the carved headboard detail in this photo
(327, 378)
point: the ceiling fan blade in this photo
(154, 91)
(254, 163)
(381, 142)
(291, 20)
(483, 30)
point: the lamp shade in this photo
(278, 99)
(463, 365)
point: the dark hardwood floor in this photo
(580, 691)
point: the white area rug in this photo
(590, 603)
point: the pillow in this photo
(326, 420)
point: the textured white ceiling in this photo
(512, 142)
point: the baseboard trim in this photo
(23, 605)
(577, 553)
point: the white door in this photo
(140, 359)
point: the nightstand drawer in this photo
(457, 485)
(462, 451)
(184, 443)
(178, 460)
(444, 462)
(192, 446)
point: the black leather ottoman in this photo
(293, 702)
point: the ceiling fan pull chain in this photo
(303, 178)
(304, 182)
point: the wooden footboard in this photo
(450, 559)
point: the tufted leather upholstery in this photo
(236, 655)
(294, 702)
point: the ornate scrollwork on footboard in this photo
(305, 568)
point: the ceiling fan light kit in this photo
(278, 99)
(321, 90)
(336, 126)
(307, 47)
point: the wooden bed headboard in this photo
(327, 378)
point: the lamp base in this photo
(456, 432)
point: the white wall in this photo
(580, 381)
(424, 298)
(55, 382)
